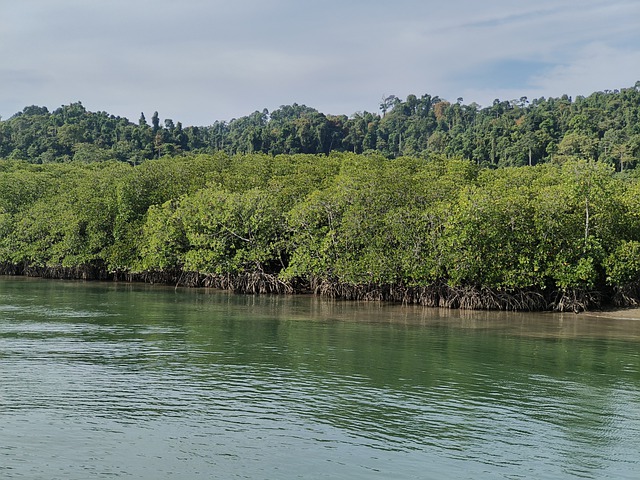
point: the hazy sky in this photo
(197, 61)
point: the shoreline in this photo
(268, 284)
(631, 313)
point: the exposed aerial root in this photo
(468, 297)
(573, 300)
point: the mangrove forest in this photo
(520, 205)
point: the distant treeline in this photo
(437, 231)
(604, 126)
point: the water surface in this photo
(105, 380)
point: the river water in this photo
(106, 380)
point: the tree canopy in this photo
(603, 126)
(520, 205)
(438, 231)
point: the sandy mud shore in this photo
(622, 314)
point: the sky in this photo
(198, 61)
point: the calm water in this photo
(116, 381)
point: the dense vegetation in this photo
(602, 126)
(405, 206)
(438, 231)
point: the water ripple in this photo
(90, 396)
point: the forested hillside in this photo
(408, 206)
(603, 126)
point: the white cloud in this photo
(202, 60)
(596, 67)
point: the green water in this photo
(101, 380)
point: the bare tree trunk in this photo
(586, 222)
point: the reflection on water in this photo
(111, 380)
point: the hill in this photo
(604, 126)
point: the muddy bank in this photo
(441, 295)
(614, 314)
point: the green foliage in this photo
(232, 232)
(623, 264)
(70, 222)
(165, 241)
(489, 236)
(348, 219)
(375, 223)
(603, 127)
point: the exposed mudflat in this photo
(622, 314)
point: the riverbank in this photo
(616, 314)
(438, 295)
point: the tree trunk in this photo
(586, 222)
